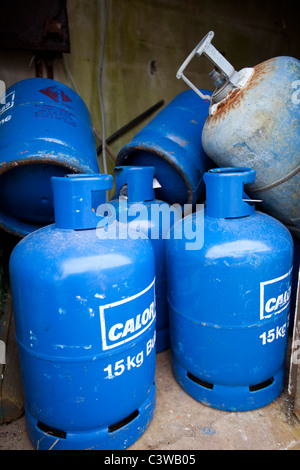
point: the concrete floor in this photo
(181, 423)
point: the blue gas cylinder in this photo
(258, 125)
(84, 308)
(171, 142)
(45, 131)
(135, 205)
(229, 299)
(254, 120)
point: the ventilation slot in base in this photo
(265, 384)
(200, 382)
(51, 431)
(123, 422)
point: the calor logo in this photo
(133, 325)
(126, 319)
(275, 295)
(56, 94)
(276, 304)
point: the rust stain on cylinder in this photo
(235, 96)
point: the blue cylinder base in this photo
(228, 397)
(96, 439)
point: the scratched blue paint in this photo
(208, 430)
(259, 127)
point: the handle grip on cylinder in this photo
(76, 198)
(139, 181)
(225, 192)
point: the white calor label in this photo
(7, 103)
(2, 92)
(5, 119)
(128, 318)
(275, 295)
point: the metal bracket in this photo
(205, 47)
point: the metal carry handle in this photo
(139, 182)
(76, 199)
(245, 174)
(225, 196)
(205, 47)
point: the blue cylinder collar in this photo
(76, 198)
(225, 196)
(139, 181)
